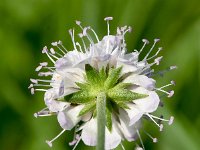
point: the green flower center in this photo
(107, 81)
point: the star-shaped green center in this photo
(107, 81)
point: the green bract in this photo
(106, 81)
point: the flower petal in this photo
(53, 105)
(113, 138)
(68, 118)
(89, 135)
(148, 104)
(141, 80)
(127, 66)
(134, 113)
(129, 132)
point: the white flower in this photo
(78, 76)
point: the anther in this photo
(51, 141)
(171, 93)
(30, 86)
(52, 51)
(38, 68)
(157, 60)
(108, 18)
(155, 140)
(171, 120)
(173, 67)
(44, 50)
(34, 81)
(161, 127)
(32, 91)
(54, 43)
(78, 22)
(44, 64)
(145, 43)
(35, 115)
(155, 41)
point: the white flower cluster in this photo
(69, 68)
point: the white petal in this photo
(148, 104)
(129, 132)
(89, 135)
(127, 67)
(141, 80)
(113, 139)
(52, 104)
(68, 118)
(134, 113)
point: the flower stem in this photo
(101, 120)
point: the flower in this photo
(78, 76)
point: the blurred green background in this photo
(28, 25)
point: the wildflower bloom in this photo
(79, 76)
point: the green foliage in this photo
(112, 78)
(88, 108)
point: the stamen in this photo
(44, 80)
(77, 143)
(171, 83)
(170, 121)
(79, 46)
(51, 141)
(71, 32)
(122, 146)
(95, 34)
(107, 19)
(87, 35)
(45, 50)
(60, 43)
(41, 90)
(50, 68)
(162, 72)
(57, 45)
(43, 113)
(170, 93)
(45, 74)
(159, 49)
(155, 140)
(53, 56)
(155, 41)
(138, 133)
(81, 36)
(42, 85)
(160, 126)
(157, 60)
(145, 43)
(53, 52)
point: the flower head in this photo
(78, 76)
